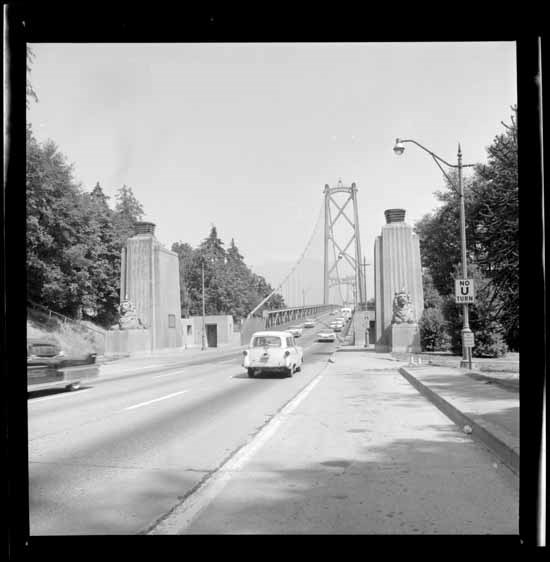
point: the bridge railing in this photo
(273, 319)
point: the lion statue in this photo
(129, 319)
(403, 311)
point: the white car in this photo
(296, 331)
(309, 323)
(326, 335)
(272, 352)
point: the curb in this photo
(503, 445)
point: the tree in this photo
(491, 202)
(185, 257)
(105, 275)
(128, 211)
(31, 94)
(483, 318)
(433, 330)
(212, 247)
(432, 324)
(230, 286)
(58, 232)
(497, 226)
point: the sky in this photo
(245, 136)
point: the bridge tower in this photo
(334, 212)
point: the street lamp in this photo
(203, 309)
(466, 332)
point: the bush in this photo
(488, 332)
(433, 331)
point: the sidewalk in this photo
(477, 401)
(360, 451)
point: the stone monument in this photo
(129, 319)
(405, 336)
(150, 296)
(398, 285)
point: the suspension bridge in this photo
(329, 273)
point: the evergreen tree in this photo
(230, 287)
(105, 295)
(128, 211)
(185, 256)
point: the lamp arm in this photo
(451, 184)
(432, 154)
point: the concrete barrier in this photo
(127, 341)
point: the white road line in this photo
(182, 516)
(129, 369)
(168, 374)
(155, 400)
(68, 393)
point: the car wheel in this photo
(251, 373)
(73, 386)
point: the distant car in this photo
(272, 352)
(309, 323)
(336, 325)
(333, 312)
(296, 331)
(49, 366)
(326, 335)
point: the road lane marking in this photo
(183, 514)
(168, 374)
(130, 369)
(155, 400)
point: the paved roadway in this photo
(113, 457)
(362, 452)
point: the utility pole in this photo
(203, 310)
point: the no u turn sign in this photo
(464, 291)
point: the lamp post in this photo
(203, 309)
(466, 332)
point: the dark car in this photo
(48, 365)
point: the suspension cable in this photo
(294, 266)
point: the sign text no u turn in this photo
(464, 291)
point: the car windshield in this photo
(267, 341)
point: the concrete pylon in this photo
(150, 280)
(396, 266)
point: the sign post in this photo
(465, 295)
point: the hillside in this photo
(73, 337)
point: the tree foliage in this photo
(74, 239)
(434, 333)
(31, 94)
(484, 319)
(230, 287)
(491, 216)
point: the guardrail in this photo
(280, 317)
